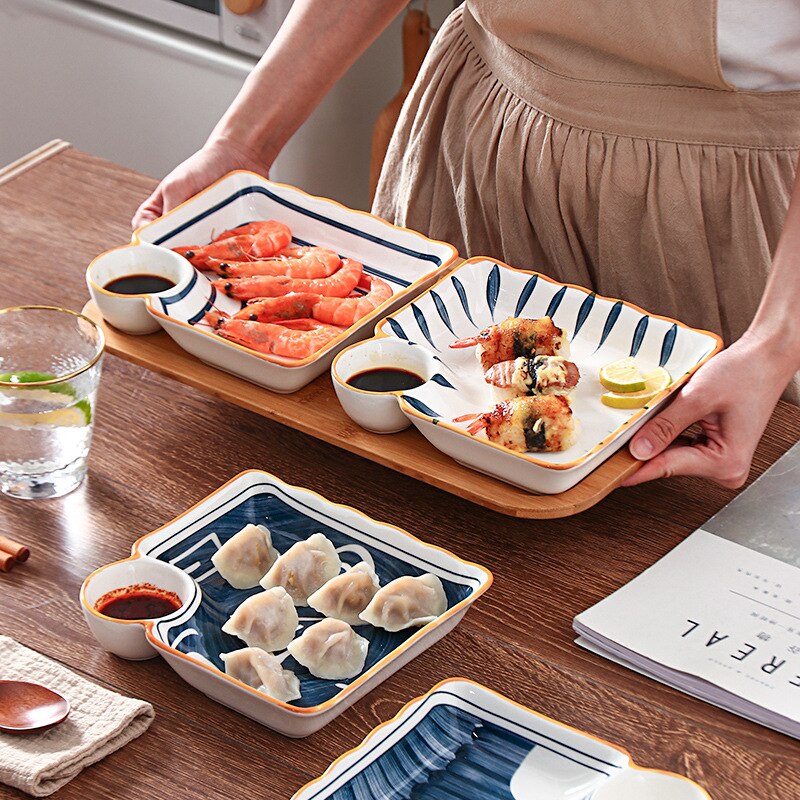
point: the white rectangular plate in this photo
(482, 292)
(406, 260)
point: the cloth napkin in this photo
(99, 722)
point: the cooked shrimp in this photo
(257, 287)
(340, 284)
(241, 247)
(534, 375)
(293, 262)
(542, 423)
(347, 310)
(276, 309)
(280, 233)
(235, 248)
(297, 339)
(517, 336)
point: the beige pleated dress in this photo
(599, 143)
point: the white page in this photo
(717, 610)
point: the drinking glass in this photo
(50, 360)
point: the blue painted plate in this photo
(293, 514)
(462, 741)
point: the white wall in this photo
(146, 98)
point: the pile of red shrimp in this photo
(297, 298)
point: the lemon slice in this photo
(70, 417)
(654, 382)
(58, 394)
(622, 376)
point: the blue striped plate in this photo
(408, 261)
(192, 641)
(482, 292)
(462, 741)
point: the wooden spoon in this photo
(29, 707)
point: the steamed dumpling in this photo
(267, 620)
(263, 672)
(246, 556)
(347, 595)
(406, 602)
(304, 567)
(330, 649)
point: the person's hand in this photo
(731, 398)
(215, 159)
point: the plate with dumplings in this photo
(305, 605)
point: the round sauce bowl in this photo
(126, 637)
(125, 311)
(378, 362)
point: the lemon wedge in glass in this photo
(65, 413)
(622, 376)
(70, 417)
(654, 382)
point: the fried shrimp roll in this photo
(528, 375)
(540, 423)
(515, 337)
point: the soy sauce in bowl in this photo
(385, 379)
(141, 283)
(140, 601)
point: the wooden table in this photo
(160, 446)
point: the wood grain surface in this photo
(161, 446)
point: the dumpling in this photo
(304, 567)
(347, 595)
(263, 672)
(330, 649)
(406, 602)
(246, 556)
(267, 620)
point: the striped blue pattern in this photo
(638, 334)
(450, 753)
(492, 294)
(300, 210)
(666, 347)
(611, 321)
(493, 289)
(525, 295)
(166, 302)
(195, 318)
(289, 520)
(441, 308)
(583, 313)
(462, 296)
(555, 302)
(421, 407)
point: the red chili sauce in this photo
(140, 601)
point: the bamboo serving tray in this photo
(315, 410)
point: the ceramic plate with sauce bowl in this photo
(121, 280)
(191, 639)
(481, 292)
(404, 259)
(369, 376)
(114, 597)
(463, 741)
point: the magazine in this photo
(718, 617)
